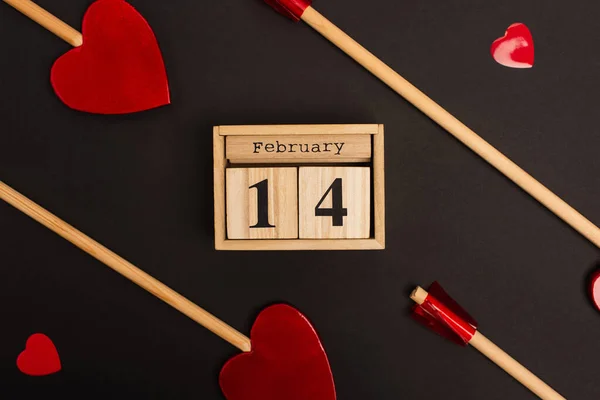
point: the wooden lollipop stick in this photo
(48, 21)
(124, 268)
(452, 125)
(503, 360)
(513, 368)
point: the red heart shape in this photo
(119, 69)
(287, 361)
(39, 357)
(595, 289)
(515, 49)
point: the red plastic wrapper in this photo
(440, 313)
(292, 9)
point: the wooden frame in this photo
(377, 240)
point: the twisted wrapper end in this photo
(293, 9)
(439, 312)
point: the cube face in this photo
(262, 203)
(335, 202)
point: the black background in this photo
(142, 185)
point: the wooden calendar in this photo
(299, 187)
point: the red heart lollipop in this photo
(515, 49)
(39, 357)
(595, 289)
(119, 68)
(287, 361)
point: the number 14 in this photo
(337, 211)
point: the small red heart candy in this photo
(287, 361)
(595, 289)
(515, 49)
(40, 357)
(118, 69)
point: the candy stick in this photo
(441, 313)
(124, 268)
(301, 9)
(48, 21)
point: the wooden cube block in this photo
(262, 203)
(335, 202)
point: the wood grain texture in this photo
(300, 244)
(264, 162)
(314, 183)
(243, 203)
(48, 21)
(219, 187)
(124, 268)
(514, 368)
(379, 185)
(264, 130)
(298, 148)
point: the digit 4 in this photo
(337, 211)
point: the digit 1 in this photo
(337, 211)
(262, 202)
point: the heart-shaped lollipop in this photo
(287, 361)
(116, 67)
(119, 68)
